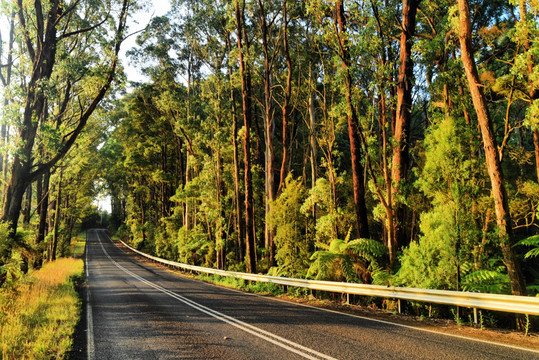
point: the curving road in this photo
(135, 311)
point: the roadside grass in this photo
(241, 284)
(78, 244)
(38, 315)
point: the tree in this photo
(399, 171)
(354, 130)
(499, 192)
(246, 105)
(57, 29)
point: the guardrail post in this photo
(475, 316)
(399, 305)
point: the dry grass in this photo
(38, 316)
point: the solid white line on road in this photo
(253, 330)
(436, 332)
(89, 318)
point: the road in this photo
(136, 311)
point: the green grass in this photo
(39, 315)
(78, 244)
(240, 284)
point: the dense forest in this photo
(387, 142)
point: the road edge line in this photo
(90, 345)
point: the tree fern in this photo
(346, 260)
(487, 281)
(530, 241)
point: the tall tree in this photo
(403, 120)
(499, 192)
(53, 25)
(354, 130)
(246, 104)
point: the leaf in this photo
(532, 253)
(529, 241)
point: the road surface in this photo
(136, 311)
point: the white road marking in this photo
(89, 318)
(253, 330)
(436, 332)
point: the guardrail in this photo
(506, 303)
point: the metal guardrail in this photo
(506, 303)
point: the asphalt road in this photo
(135, 311)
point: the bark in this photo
(353, 129)
(287, 94)
(399, 172)
(313, 143)
(44, 209)
(27, 212)
(499, 193)
(269, 129)
(246, 104)
(237, 194)
(56, 225)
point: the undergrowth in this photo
(245, 285)
(38, 314)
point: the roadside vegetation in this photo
(39, 311)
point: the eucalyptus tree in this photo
(65, 79)
(499, 191)
(246, 93)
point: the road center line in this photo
(253, 330)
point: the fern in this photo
(530, 241)
(486, 281)
(345, 259)
(367, 248)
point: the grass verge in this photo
(38, 315)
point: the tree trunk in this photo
(503, 217)
(403, 119)
(269, 131)
(237, 193)
(44, 208)
(246, 103)
(27, 212)
(56, 225)
(353, 130)
(313, 142)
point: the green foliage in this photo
(289, 224)
(487, 281)
(530, 241)
(193, 246)
(429, 263)
(353, 261)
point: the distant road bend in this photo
(135, 311)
